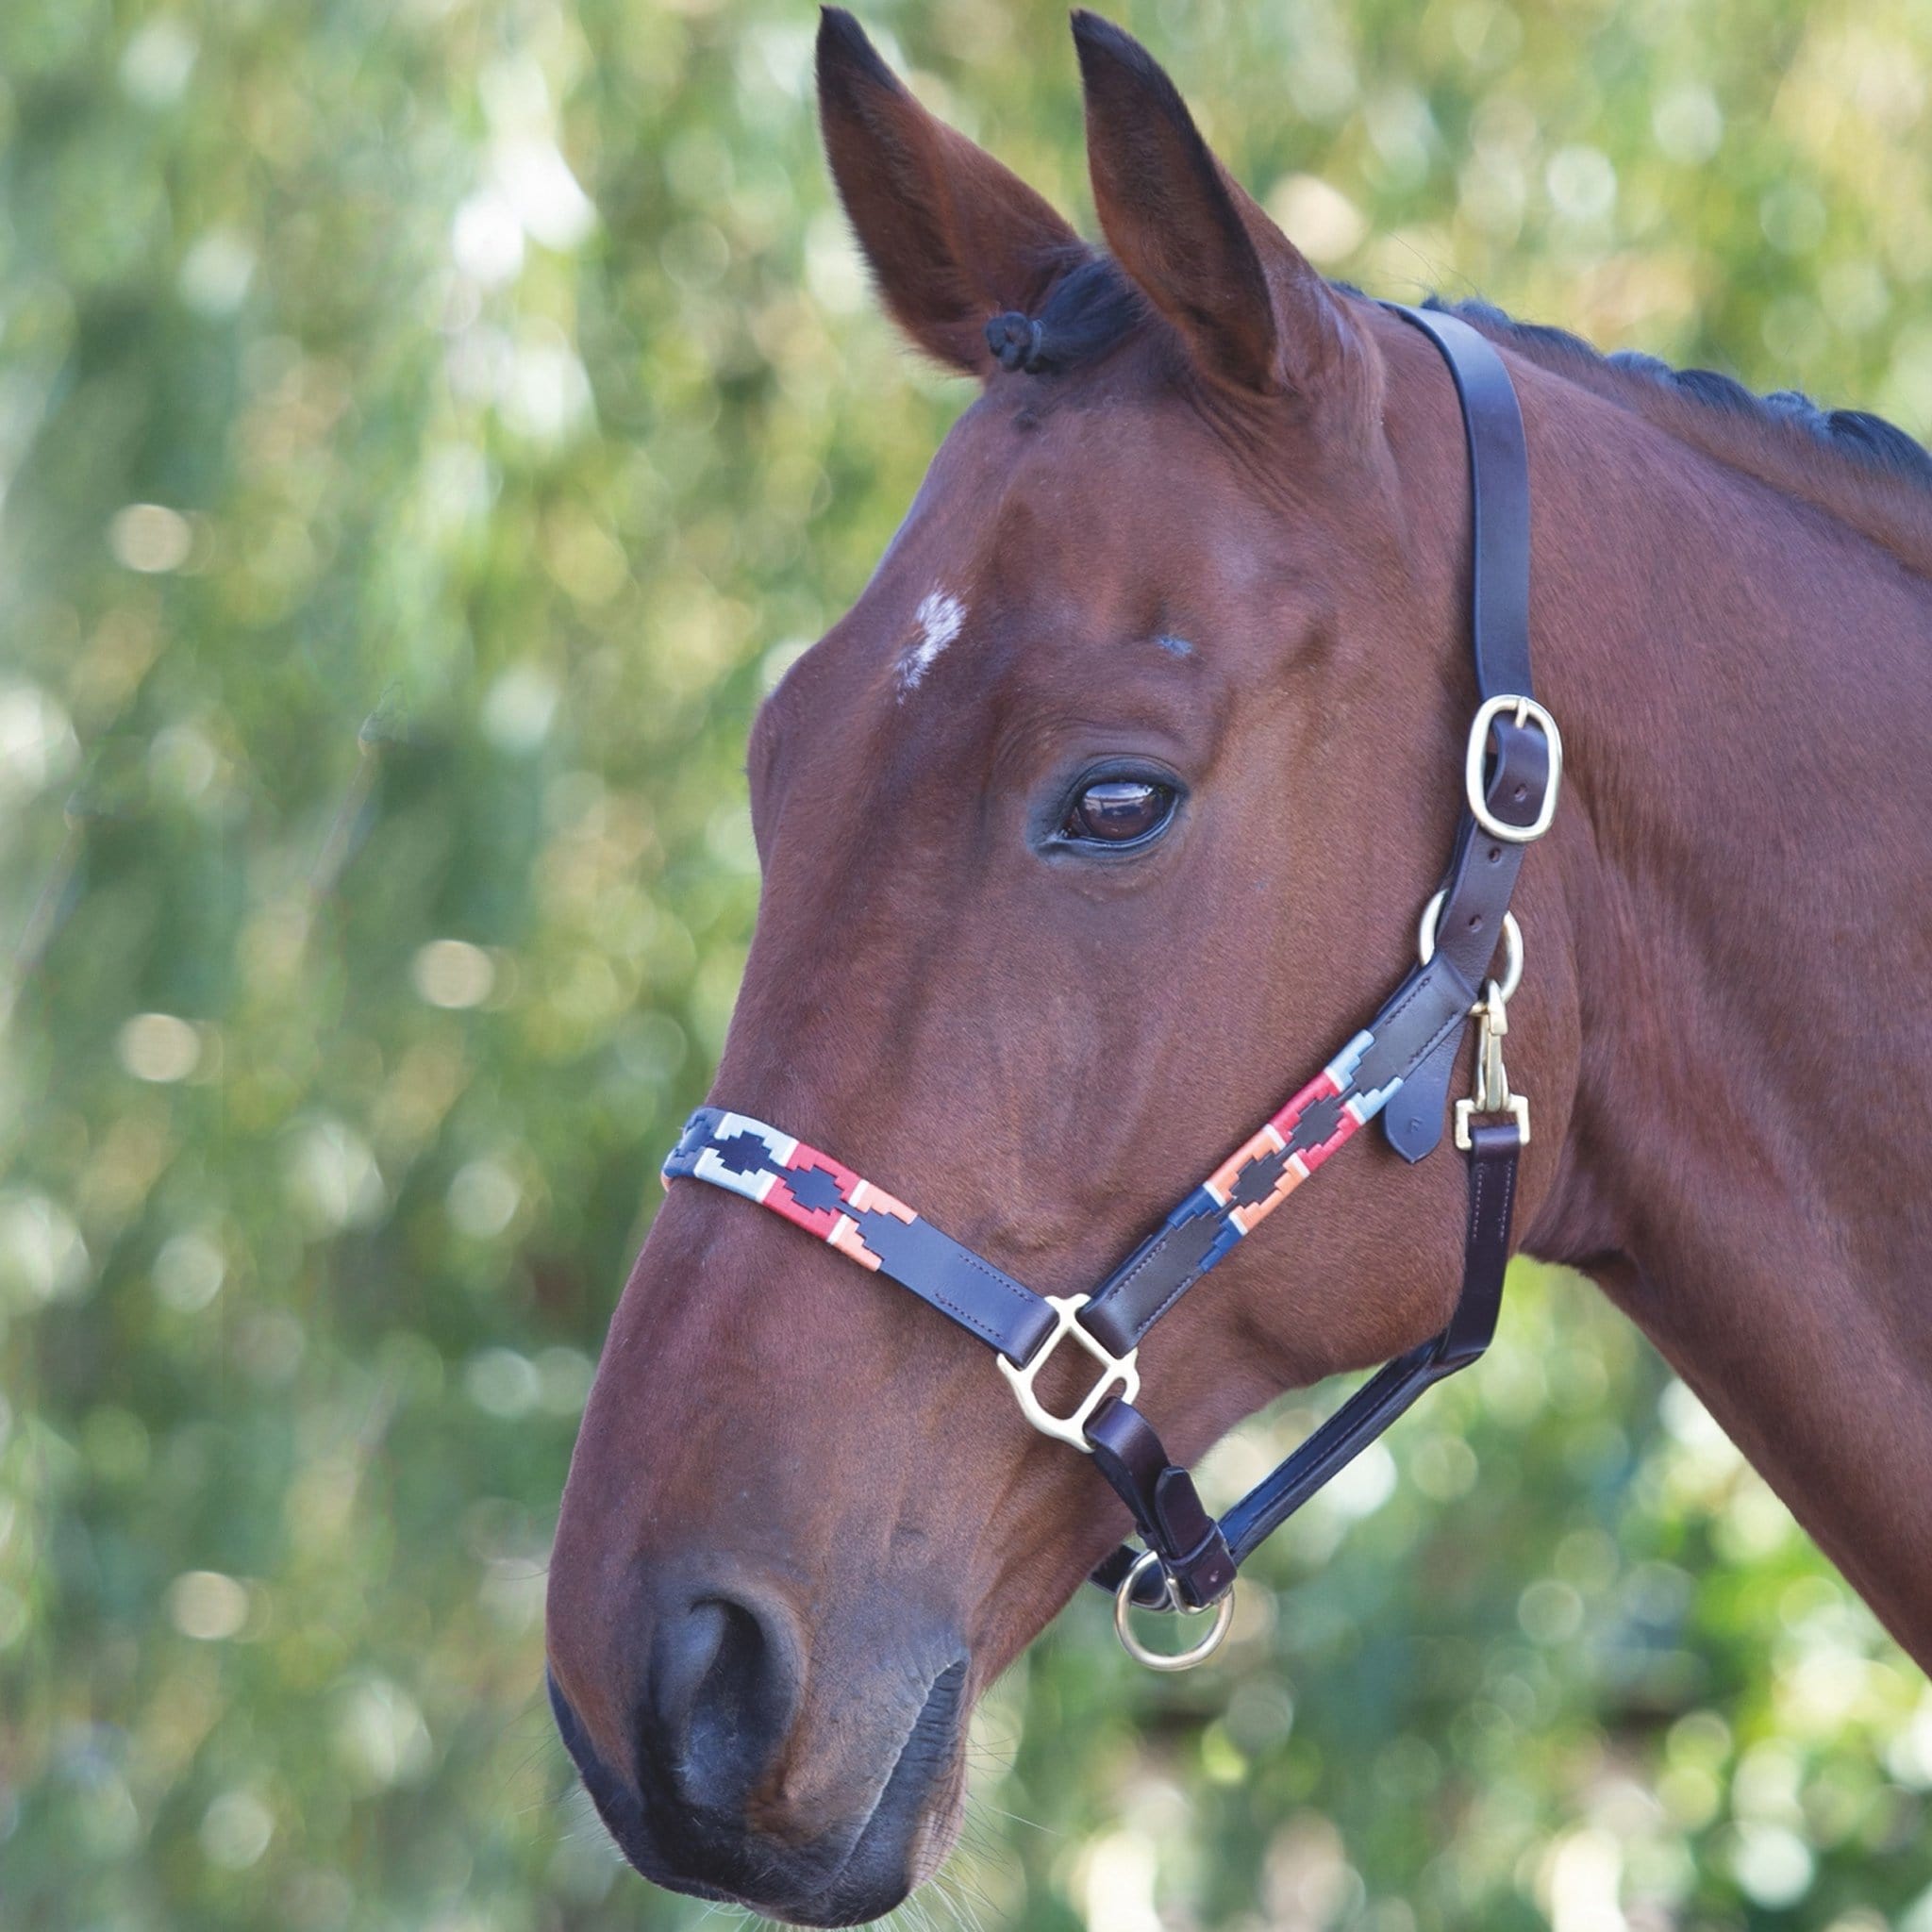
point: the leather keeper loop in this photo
(1166, 1507)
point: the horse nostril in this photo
(733, 1697)
(721, 1700)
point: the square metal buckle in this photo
(1516, 1106)
(1123, 1369)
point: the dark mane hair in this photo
(1095, 307)
(1855, 434)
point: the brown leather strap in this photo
(1493, 1156)
(1498, 499)
(1482, 868)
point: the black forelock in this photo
(1092, 309)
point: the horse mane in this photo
(1852, 465)
(1867, 473)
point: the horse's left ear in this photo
(953, 237)
(1255, 313)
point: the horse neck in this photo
(1745, 686)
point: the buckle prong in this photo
(1123, 1369)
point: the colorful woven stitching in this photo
(1290, 1145)
(864, 1222)
(781, 1173)
(826, 1199)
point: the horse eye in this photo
(1117, 811)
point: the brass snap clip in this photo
(1492, 1095)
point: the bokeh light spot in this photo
(150, 538)
(158, 1047)
(453, 972)
(205, 1605)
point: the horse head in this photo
(1098, 819)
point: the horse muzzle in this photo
(723, 1782)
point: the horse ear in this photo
(1251, 308)
(952, 236)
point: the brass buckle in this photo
(1527, 712)
(1124, 1368)
(1492, 1095)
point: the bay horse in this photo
(1103, 812)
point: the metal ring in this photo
(1512, 945)
(1161, 1659)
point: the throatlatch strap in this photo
(1493, 1156)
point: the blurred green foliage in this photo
(425, 428)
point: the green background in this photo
(426, 427)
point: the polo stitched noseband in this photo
(1398, 1068)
